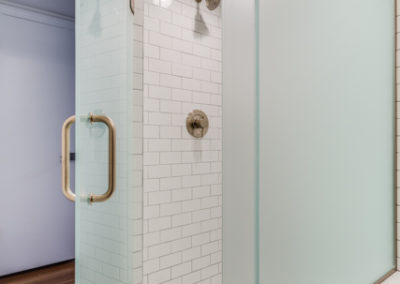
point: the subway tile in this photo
(181, 194)
(159, 276)
(159, 92)
(191, 278)
(191, 253)
(209, 271)
(201, 215)
(170, 260)
(159, 250)
(181, 269)
(159, 66)
(182, 72)
(182, 45)
(181, 244)
(159, 145)
(171, 30)
(182, 96)
(200, 263)
(170, 183)
(170, 132)
(170, 106)
(181, 169)
(171, 234)
(170, 55)
(159, 40)
(150, 266)
(209, 248)
(182, 21)
(159, 197)
(181, 219)
(159, 13)
(170, 157)
(170, 81)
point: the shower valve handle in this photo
(197, 123)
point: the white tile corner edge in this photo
(394, 279)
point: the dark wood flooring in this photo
(62, 273)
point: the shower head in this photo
(211, 4)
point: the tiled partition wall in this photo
(182, 175)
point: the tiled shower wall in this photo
(182, 175)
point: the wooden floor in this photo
(62, 273)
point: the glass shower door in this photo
(309, 188)
(106, 247)
(326, 141)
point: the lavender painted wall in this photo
(36, 94)
(61, 7)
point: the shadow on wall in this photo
(200, 27)
(95, 25)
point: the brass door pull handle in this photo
(65, 158)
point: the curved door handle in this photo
(65, 158)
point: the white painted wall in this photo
(60, 7)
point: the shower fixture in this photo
(197, 123)
(211, 4)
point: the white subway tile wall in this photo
(182, 175)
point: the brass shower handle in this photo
(211, 4)
(197, 123)
(65, 158)
(111, 158)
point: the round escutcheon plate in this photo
(212, 4)
(197, 123)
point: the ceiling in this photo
(62, 7)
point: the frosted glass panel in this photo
(239, 135)
(326, 141)
(105, 234)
